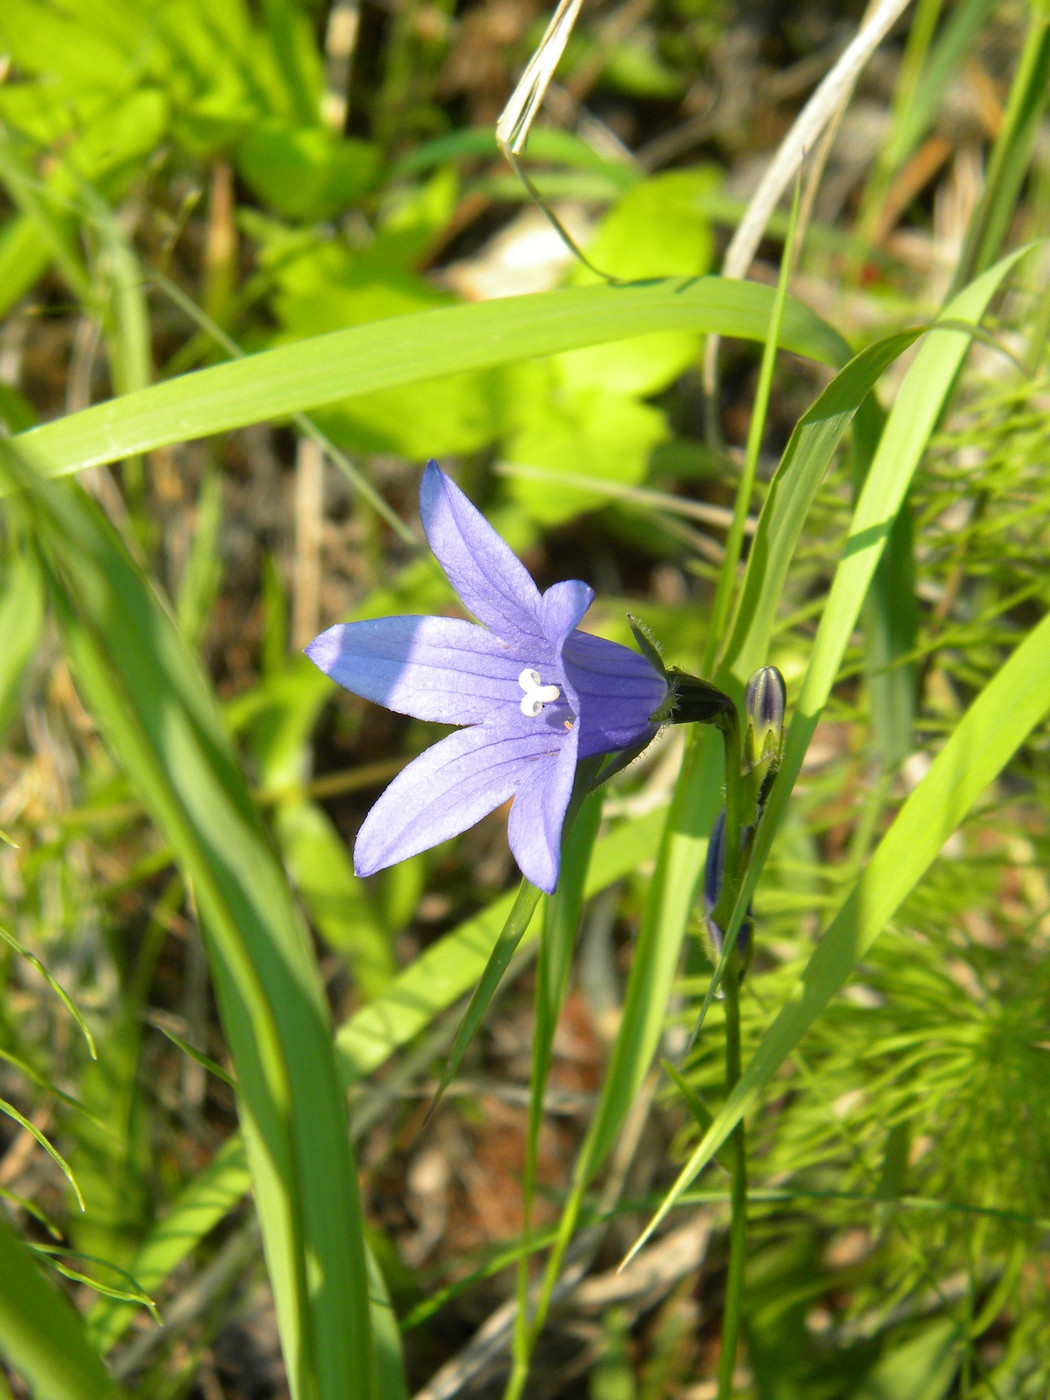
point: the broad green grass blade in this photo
(389, 1380)
(145, 689)
(987, 737)
(404, 350)
(891, 619)
(316, 856)
(41, 1335)
(805, 461)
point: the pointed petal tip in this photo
(536, 865)
(364, 868)
(540, 866)
(490, 579)
(324, 649)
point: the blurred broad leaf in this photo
(305, 173)
(608, 436)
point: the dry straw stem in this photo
(515, 121)
(808, 125)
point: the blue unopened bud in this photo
(714, 874)
(764, 703)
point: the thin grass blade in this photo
(806, 459)
(41, 1335)
(518, 920)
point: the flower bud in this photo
(764, 702)
(714, 874)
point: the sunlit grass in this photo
(180, 789)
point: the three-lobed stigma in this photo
(536, 695)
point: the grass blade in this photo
(915, 414)
(511, 934)
(41, 1335)
(404, 350)
(145, 689)
(806, 459)
(988, 736)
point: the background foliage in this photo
(257, 262)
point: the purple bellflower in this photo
(534, 693)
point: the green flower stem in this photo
(736, 782)
(729, 723)
(734, 1298)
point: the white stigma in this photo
(536, 695)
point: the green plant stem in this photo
(729, 724)
(733, 874)
(734, 1301)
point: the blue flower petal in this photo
(490, 579)
(538, 815)
(617, 690)
(561, 608)
(452, 786)
(597, 697)
(435, 668)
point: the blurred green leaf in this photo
(305, 173)
(921, 1368)
(21, 621)
(659, 228)
(589, 433)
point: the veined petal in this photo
(618, 691)
(490, 579)
(436, 668)
(538, 815)
(450, 787)
(561, 608)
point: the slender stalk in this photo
(734, 1301)
(733, 873)
(727, 579)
